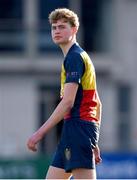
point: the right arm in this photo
(63, 107)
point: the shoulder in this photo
(74, 51)
(74, 56)
(74, 59)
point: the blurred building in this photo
(30, 70)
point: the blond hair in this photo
(65, 14)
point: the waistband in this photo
(83, 121)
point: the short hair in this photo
(65, 14)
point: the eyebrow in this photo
(61, 25)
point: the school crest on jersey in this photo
(68, 153)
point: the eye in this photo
(61, 27)
(53, 27)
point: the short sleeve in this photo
(74, 67)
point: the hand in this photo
(33, 141)
(96, 152)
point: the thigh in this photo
(57, 173)
(82, 173)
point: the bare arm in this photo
(63, 107)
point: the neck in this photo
(65, 47)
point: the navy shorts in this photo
(75, 148)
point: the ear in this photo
(75, 30)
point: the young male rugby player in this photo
(80, 106)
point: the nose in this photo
(57, 31)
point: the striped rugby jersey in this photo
(78, 68)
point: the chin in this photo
(57, 42)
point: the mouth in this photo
(57, 37)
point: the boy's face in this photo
(62, 32)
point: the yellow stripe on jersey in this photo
(89, 78)
(63, 79)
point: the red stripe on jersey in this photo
(89, 106)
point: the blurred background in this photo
(30, 82)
